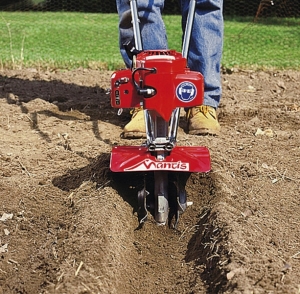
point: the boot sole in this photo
(205, 132)
(133, 135)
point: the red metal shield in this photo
(183, 159)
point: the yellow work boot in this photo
(202, 120)
(136, 127)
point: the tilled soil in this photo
(69, 225)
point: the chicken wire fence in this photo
(258, 33)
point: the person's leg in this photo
(152, 27)
(204, 56)
(153, 36)
(206, 45)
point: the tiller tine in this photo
(142, 212)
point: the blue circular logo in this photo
(186, 91)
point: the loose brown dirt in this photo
(69, 225)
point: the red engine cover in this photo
(175, 85)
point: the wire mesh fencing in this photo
(73, 33)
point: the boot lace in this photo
(204, 109)
(135, 111)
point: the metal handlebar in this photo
(187, 33)
(188, 29)
(136, 25)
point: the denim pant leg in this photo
(153, 32)
(205, 50)
(206, 45)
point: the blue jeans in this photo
(205, 51)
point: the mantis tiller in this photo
(161, 83)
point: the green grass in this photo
(70, 40)
(269, 43)
(64, 40)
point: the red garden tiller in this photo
(161, 83)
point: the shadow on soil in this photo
(207, 250)
(73, 101)
(97, 171)
(126, 184)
